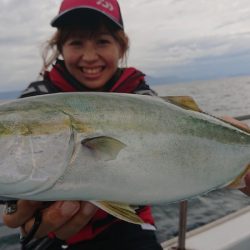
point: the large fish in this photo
(115, 147)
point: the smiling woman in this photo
(92, 58)
(90, 46)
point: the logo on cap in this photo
(105, 4)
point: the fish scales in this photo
(116, 147)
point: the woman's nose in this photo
(89, 53)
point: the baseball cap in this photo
(69, 8)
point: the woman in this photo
(90, 42)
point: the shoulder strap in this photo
(39, 88)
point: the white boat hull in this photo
(231, 232)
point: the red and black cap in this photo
(108, 8)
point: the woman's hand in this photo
(235, 122)
(64, 218)
(246, 189)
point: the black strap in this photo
(29, 243)
(26, 239)
(46, 243)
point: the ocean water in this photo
(219, 97)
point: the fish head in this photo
(34, 146)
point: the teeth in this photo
(91, 70)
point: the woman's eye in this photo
(75, 43)
(103, 41)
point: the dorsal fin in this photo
(189, 103)
(185, 102)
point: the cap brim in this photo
(66, 17)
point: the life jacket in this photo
(102, 221)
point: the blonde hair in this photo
(53, 47)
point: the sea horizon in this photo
(154, 84)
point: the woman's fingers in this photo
(80, 219)
(64, 218)
(25, 211)
(246, 189)
(247, 180)
(53, 217)
(235, 122)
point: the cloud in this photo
(189, 51)
(167, 36)
(24, 27)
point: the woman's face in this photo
(92, 60)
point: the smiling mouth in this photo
(92, 71)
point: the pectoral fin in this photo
(239, 181)
(104, 147)
(186, 102)
(120, 211)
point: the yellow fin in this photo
(119, 210)
(104, 147)
(239, 181)
(186, 102)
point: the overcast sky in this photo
(174, 39)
